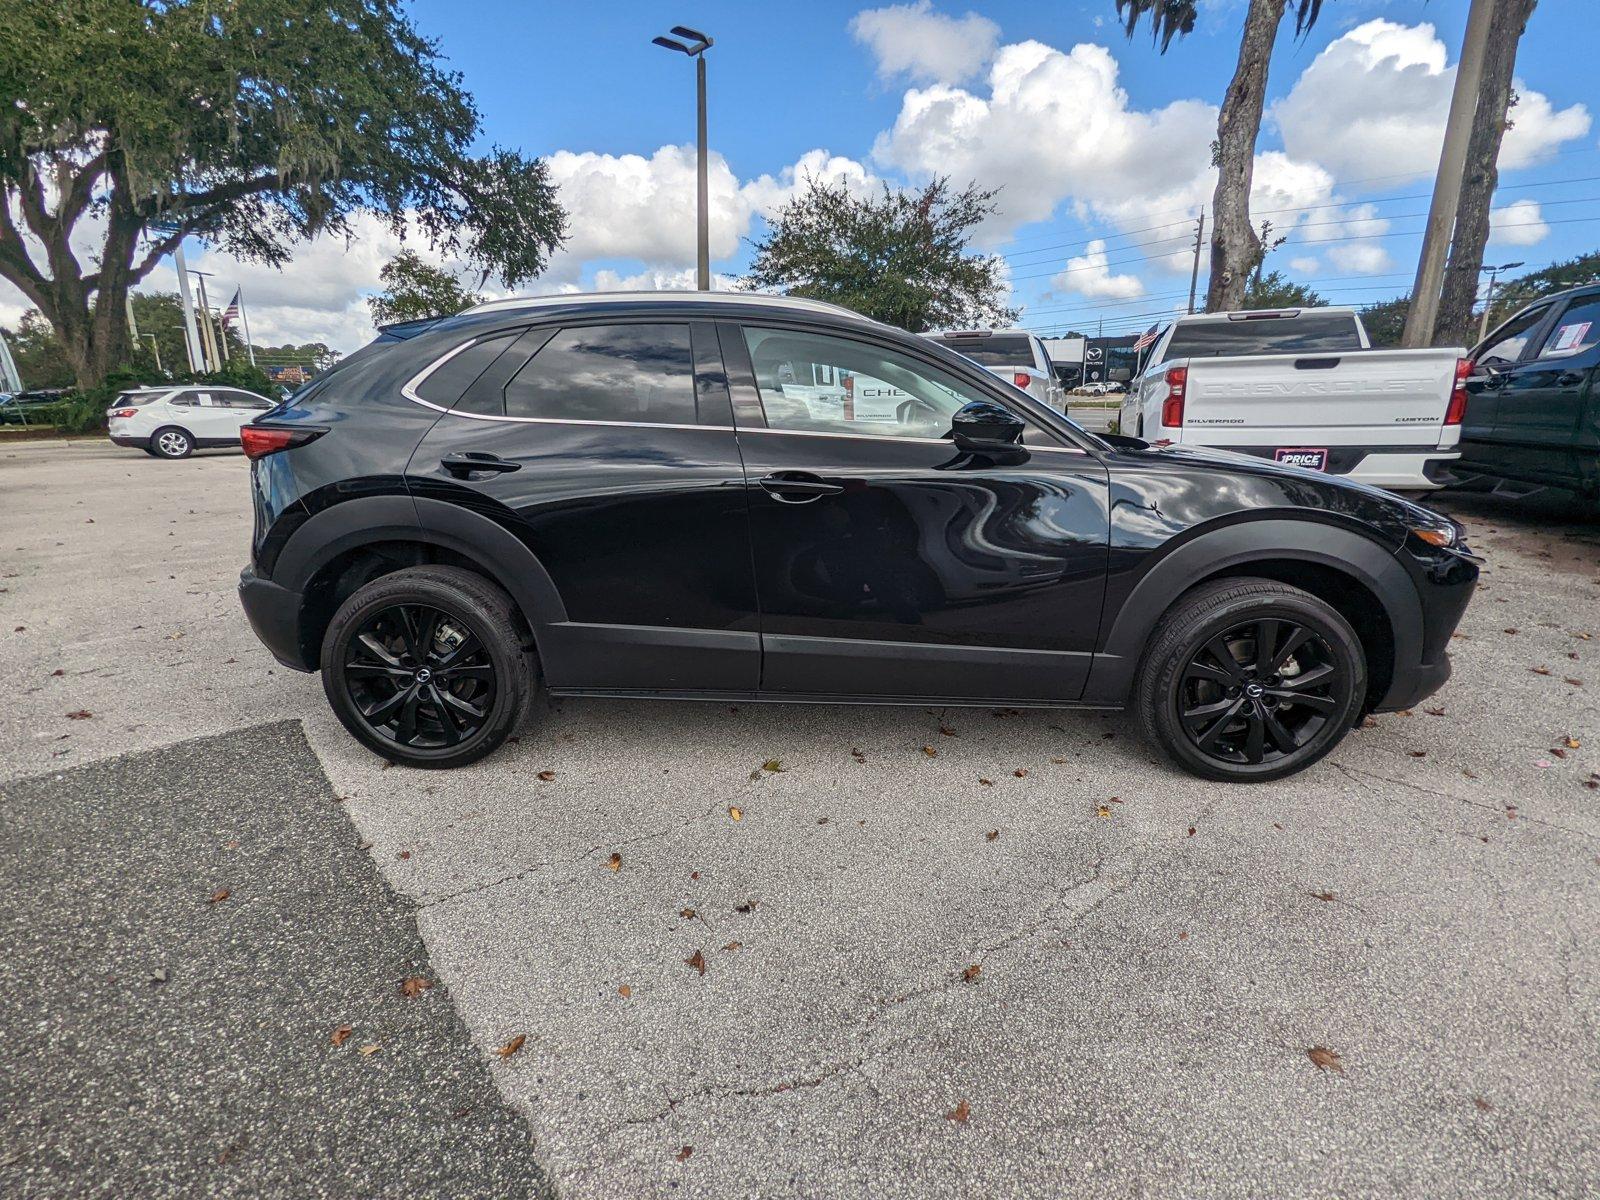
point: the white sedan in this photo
(173, 422)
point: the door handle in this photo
(1569, 379)
(462, 465)
(798, 487)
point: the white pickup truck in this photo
(1304, 387)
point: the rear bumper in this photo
(128, 439)
(1404, 468)
(274, 614)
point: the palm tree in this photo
(1235, 248)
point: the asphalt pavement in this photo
(208, 989)
(944, 953)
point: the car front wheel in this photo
(426, 667)
(1250, 680)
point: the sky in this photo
(1098, 144)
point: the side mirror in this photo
(984, 424)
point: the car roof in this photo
(1245, 314)
(608, 299)
(972, 333)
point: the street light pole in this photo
(1488, 299)
(695, 45)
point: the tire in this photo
(1228, 720)
(172, 442)
(374, 676)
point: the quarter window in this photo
(454, 375)
(632, 373)
(810, 383)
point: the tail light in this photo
(261, 440)
(1172, 407)
(1022, 379)
(122, 412)
(1458, 394)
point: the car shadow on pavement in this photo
(205, 993)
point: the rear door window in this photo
(1507, 343)
(640, 374)
(451, 375)
(1575, 332)
(1308, 333)
(1003, 351)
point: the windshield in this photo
(1010, 351)
(1306, 333)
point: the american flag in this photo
(231, 313)
(1147, 338)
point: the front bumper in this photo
(1445, 579)
(274, 614)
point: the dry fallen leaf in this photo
(697, 961)
(1419, 754)
(1540, 670)
(415, 985)
(82, 714)
(960, 1113)
(970, 974)
(1573, 682)
(1103, 810)
(930, 752)
(683, 1154)
(624, 991)
(1021, 772)
(991, 835)
(985, 782)
(772, 766)
(1191, 830)
(857, 755)
(730, 946)
(749, 906)
(512, 1046)
(736, 812)
(370, 1049)
(1511, 631)
(341, 1035)
(547, 776)
(218, 896)
(1325, 1059)
(1059, 759)
(614, 863)
(1323, 895)
(947, 731)
(1435, 712)
(1482, 1105)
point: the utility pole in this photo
(698, 44)
(1425, 293)
(155, 347)
(1488, 299)
(1199, 241)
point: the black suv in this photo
(747, 498)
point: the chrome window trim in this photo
(408, 390)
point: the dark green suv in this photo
(1533, 406)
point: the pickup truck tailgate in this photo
(1387, 398)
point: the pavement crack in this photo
(524, 872)
(1367, 778)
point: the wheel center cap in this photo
(1254, 691)
(424, 674)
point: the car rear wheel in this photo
(1250, 680)
(172, 442)
(426, 667)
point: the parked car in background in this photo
(1533, 398)
(173, 422)
(1303, 387)
(26, 407)
(619, 496)
(1013, 354)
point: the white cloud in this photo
(1305, 266)
(1360, 258)
(1374, 103)
(1520, 223)
(1089, 274)
(929, 47)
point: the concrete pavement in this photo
(1423, 905)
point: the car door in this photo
(1491, 360)
(888, 562)
(243, 407)
(193, 410)
(1541, 399)
(608, 449)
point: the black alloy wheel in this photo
(1249, 680)
(419, 677)
(427, 666)
(1260, 692)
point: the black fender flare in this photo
(1125, 633)
(374, 520)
